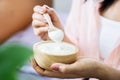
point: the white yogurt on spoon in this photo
(56, 36)
(54, 33)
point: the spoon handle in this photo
(48, 19)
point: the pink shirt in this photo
(83, 29)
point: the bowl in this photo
(48, 52)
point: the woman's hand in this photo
(40, 25)
(83, 67)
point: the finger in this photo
(42, 35)
(65, 68)
(36, 67)
(40, 30)
(33, 62)
(59, 75)
(45, 36)
(37, 23)
(37, 16)
(39, 9)
(52, 13)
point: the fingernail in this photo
(55, 68)
(46, 7)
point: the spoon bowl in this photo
(55, 34)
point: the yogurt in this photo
(56, 35)
(57, 48)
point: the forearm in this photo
(108, 73)
(14, 17)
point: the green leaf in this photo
(12, 56)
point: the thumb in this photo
(53, 14)
(63, 68)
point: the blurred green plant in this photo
(12, 57)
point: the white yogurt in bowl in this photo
(57, 48)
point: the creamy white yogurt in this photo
(57, 48)
(56, 36)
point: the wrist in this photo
(107, 73)
(102, 72)
(66, 39)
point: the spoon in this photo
(54, 33)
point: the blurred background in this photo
(62, 6)
(17, 36)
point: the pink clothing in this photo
(83, 29)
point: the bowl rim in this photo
(53, 54)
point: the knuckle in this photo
(33, 23)
(36, 33)
(36, 7)
(36, 15)
(43, 24)
(38, 23)
(33, 15)
(52, 10)
(64, 70)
